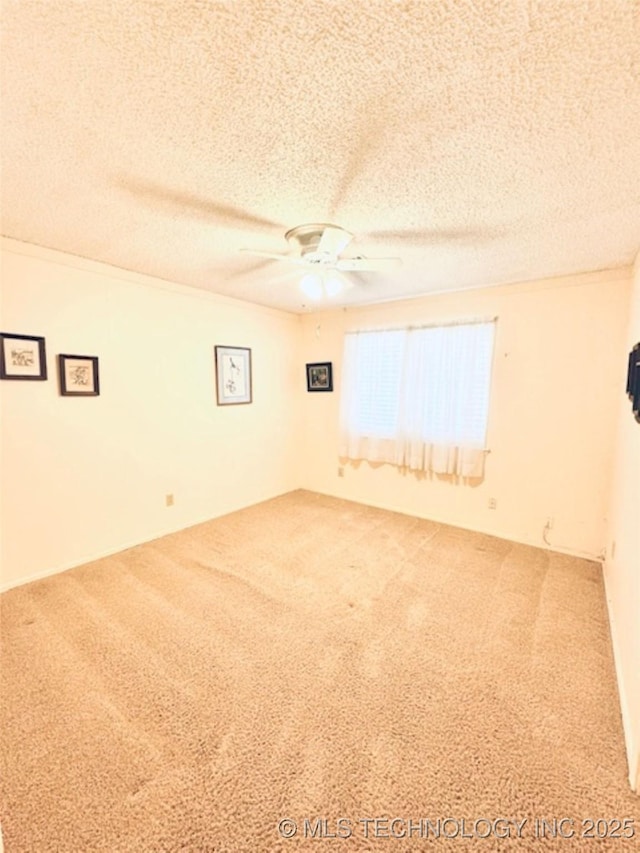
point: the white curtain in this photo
(418, 398)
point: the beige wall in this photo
(83, 477)
(622, 568)
(552, 420)
(86, 477)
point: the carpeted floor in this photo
(319, 661)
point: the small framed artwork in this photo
(633, 380)
(22, 357)
(319, 376)
(233, 375)
(631, 368)
(78, 375)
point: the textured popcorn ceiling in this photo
(482, 141)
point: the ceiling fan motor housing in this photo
(319, 243)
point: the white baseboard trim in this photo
(90, 558)
(632, 748)
(555, 549)
(124, 546)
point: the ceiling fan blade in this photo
(274, 256)
(366, 136)
(431, 235)
(367, 264)
(251, 269)
(334, 240)
(186, 203)
(359, 279)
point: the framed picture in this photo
(319, 376)
(78, 375)
(233, 375)
(633, 357)
(633, 380)
(22, 357)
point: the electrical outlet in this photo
(613, 549)
(340, 471)
(550, 522)
(492, 503)
(169, 500)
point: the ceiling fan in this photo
(317, 247)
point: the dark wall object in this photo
(633, 380)
(22, 357)
(78, 375)
(319, 376)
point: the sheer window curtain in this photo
(418, 398)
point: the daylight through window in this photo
(418, 398)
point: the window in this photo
(418, 398)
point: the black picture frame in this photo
(233, 376)
(79, 375)
(630, 373)
(320, 376)
(633, 380)
(22, 357)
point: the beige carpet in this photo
(312, 658)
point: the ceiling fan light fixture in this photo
(319, 285)
(311, 286)
(333, 285)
